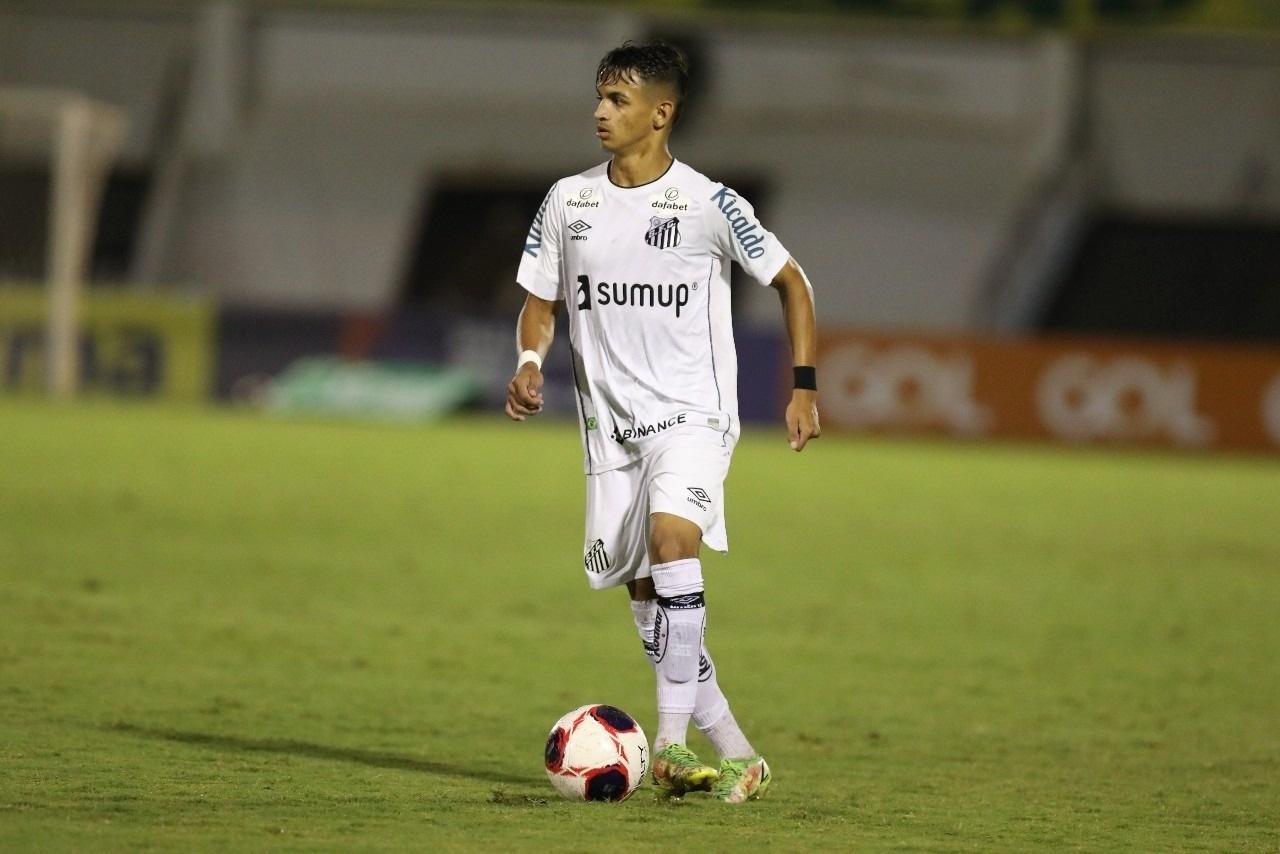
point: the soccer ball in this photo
(597, 753)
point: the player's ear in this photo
(663, 112)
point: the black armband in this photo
(806, 376)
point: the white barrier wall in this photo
(897, 167)
(1189, 126)
(891, 165)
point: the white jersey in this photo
(644, 272)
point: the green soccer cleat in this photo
(677, 769)
(742, 780)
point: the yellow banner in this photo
(131, 344)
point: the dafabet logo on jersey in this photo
(584, 199)
(669, 200)
(639, 294)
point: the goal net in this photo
(56, 149)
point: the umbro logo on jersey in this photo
(640, 294)
(597, 559)
(663, 233)
(577, 227)
(699, 496)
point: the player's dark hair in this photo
(648, 62)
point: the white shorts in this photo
(683, 476)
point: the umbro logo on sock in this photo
(682, 603)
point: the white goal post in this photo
(78, 139)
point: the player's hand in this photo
(524, 393)
(802, 418)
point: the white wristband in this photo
(529, 356)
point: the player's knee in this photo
(672, 539)
(669, 550)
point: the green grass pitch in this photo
(223, 632)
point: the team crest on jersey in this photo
(663, 233)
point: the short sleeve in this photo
(738, 234)
(539, 271)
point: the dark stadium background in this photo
(353, 180)
(276, 573)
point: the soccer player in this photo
(638, 250)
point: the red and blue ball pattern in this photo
(596, 753)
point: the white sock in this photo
(711, 704)
(711, 714)
(678, 628)
(644, 611)
(672, 728)
(728, 738)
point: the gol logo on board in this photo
(1080, 397)
(904, 386)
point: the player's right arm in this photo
(535, 330)
(539, 275)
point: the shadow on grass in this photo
(396, 761)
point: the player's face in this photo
(627, 114)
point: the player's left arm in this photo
(797, 311)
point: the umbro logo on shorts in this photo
(597, 559)
(700, 498)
